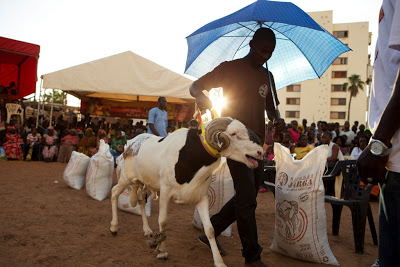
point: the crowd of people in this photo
(56, 143)
(301, 139)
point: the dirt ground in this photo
(45, 223)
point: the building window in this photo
(293, 101)
(338, 115)
(292, 114)
(339, 74)
(338, 101)
(340, 61)
(341, 34)
(293, 88)
(337, 88)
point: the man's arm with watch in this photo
(372, 162)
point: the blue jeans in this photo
(389, 222)
(242, 207)
(115, 154)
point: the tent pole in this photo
(51, 110)
(38, 106)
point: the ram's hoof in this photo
(113, 233)
(148, 232)
(162, 256)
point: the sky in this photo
(72, 32)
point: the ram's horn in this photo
(214, 133)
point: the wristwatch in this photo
(378, 148)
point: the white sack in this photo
(220, 191)
(124, 199)
(75, 172)
(100, 172)
(300, 218)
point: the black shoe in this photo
(257, 263)
(204, 240)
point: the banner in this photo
(133, 109)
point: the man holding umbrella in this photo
(247, 89)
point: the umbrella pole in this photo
(277, 113)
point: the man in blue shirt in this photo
(158, 119)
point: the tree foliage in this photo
(353, 86)
(59, 97)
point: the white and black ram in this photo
(179, 168)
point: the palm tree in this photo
(353, 87)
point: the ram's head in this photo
(234, 140)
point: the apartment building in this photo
(324, 98)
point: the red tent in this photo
(18, 63)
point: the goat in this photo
(179, 167)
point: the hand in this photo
(371, 166)
(279, 126)
(203, 102)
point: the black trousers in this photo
(241, 208)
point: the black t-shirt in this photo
(246, 92)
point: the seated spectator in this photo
(87, 142)
(287, 141)
(294, 131)
(13, 145)
(269, 153)
(33, 141)
(340, 141)
(302, 148)
(361, 128)
(362, 142)
(137, 132)
(101, 135)
(117, 145)
(69, 143)
(368, 133)
(349, 133)
(334, 153)
(50, 148)
(269, 133)
(311, 139)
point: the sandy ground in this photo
(44, 223)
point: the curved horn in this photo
(214, 133)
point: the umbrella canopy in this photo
(304, 50)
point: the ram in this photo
(179, 168)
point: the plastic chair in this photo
(356, 197)
(270, 172)
(14, 109)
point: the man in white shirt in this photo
(348, 132)
(385, 123)
(158, 119)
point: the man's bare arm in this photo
(203, 102)
(369, 165)
(153, 129)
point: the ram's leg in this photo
(202, 208)
(162, 253)
(133, 198)
(115, 192)
(146, 228)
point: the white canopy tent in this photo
(122, 77)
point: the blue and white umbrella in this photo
(304, 50)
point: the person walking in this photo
(378, 164)
(158, 119)
(247, 86)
